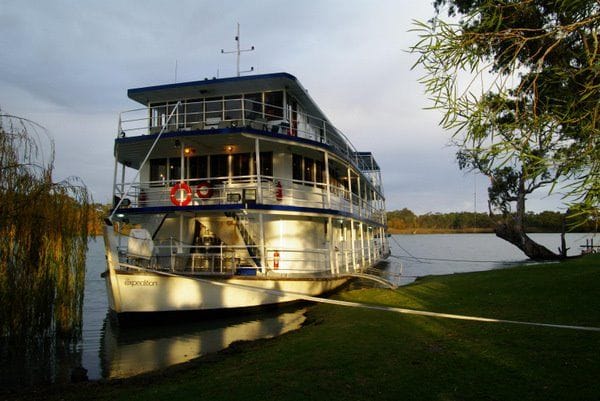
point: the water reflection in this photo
(24, 364)
(128, 351)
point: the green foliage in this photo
(43, 238)
(518, 83)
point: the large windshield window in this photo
(253, 105)
(214, 110)
(233, 107)
(274, 105)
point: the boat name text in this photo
(141, 283)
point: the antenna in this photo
(238, 51)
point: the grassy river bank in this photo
(356, 354)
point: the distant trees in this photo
(406, 221)
(518, 83)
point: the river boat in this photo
(234, 193)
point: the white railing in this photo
(214, 115)
(229, 259)
(246, 190)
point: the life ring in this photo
(175, 194)
(204, 190)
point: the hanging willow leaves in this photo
(43, 237)
(518, 84)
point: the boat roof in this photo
(227, 86)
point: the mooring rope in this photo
(457, 260)
(408, 253)
(378, 307)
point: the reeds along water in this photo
(43, 239)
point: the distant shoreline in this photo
(440, 231)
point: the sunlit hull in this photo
(151, 292)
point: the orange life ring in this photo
(204, 190)
(175, 191)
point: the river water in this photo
(426, 254)
(109, 351)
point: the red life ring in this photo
(204, 190)
(175, 194)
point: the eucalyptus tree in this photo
(518, 83)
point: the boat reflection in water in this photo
(129, 351)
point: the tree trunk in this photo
(517, 236)
(513, 231)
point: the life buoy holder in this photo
(276, 260)
(204, 190)
(176, 192)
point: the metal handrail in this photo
(225, 258)
(293, 193)
(307, 126)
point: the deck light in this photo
(188, 151)
(229, 148)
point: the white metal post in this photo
(327, 180)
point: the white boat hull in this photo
(154, 292)
(133, 291)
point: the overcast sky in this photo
(68, 65)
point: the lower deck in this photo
(249, 243)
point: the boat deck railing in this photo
(237, 259)
(240, 112)
(247, 190)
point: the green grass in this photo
(355, 354)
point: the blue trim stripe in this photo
(207, 82)
(248, 207)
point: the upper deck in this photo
(256, 139)
(273, 104)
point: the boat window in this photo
(309, 169)
(318, 171)
(240, 164)
(172, 123)
(158, 114)
(253, 105)
(195, 112)
(174, 170)
(334, 176)
(274, 105)
(198, 167)
(297, 167)
(218, 166)
(158, 172)
(266, 164)
(214, 108)
(233, 107)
